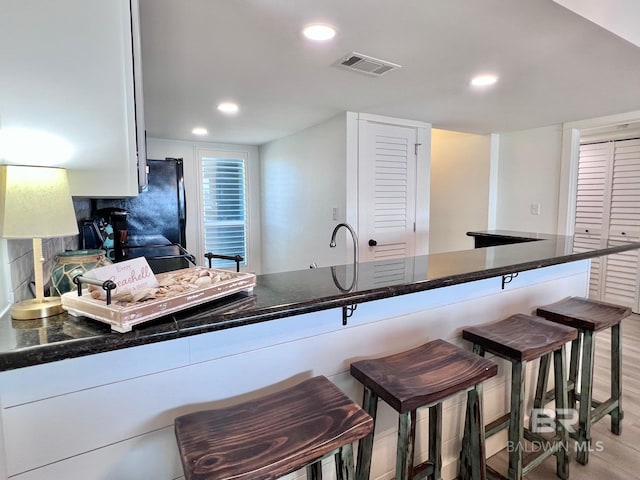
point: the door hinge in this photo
(416, 148)
(414, 227)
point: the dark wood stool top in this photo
(424, 375)
(584, 314)
(520, 337)
(270, 436)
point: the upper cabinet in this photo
(70, 91)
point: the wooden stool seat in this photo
(420, 378)
(271, 436)
(584, 314)
(424, 375)
(588, 317)
(520, 337)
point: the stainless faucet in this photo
(347, 310)
(354, 236)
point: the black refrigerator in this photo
(152, 224)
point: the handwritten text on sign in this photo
(128, 276)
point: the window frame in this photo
(252, 228)
(250, 260)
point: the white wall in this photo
(617, 16)
(529, 173)
(459, 188)
(303, 178)
(5, 278)
(188, 151)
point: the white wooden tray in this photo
(122, 317)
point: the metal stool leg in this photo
(576, 346)
(616, 378)
(560, 387)
(473, 454)
(365, 446)
(344, 463)
(586, 388)
(314, 471)
(406, 441)
(540, 400)
(516, 420)
(435, 440)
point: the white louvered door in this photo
(591, 222)
(607, 213)
(622, 270)
(387, 190)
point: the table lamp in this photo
(35, 202)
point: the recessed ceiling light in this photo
(199, 131)
(228, 107)
(319, 32)
(484, 80)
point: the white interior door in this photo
(622, 270)
(386, 190)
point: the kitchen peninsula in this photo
(79, 402)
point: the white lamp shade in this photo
(36, 203)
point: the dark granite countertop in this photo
(510, 234)
(25, 343)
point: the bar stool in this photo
(520, 339)
(422, 378)
(273, 435)
(588, 317)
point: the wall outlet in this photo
(535, 209)
(335, 213)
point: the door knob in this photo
(372, 243)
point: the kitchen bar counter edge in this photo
(293, 293)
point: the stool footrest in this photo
(497, 425)
(532, 459)
(423, 470)
(602, 408)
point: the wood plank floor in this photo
(618, 456)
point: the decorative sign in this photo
(128, 276)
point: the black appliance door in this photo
(161, 208)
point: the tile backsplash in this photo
(20, 253)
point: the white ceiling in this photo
(554, 65)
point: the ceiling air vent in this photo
(366, 64)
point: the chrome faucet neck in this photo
(354, 236)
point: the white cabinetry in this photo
(68, 72)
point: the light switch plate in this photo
(535, 209)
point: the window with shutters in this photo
(224, 202)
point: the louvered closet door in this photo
(593, 177)
(622, 271)
(387, 195)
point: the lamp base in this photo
(34, 308)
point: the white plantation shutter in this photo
(608, 211)
(224, 207)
